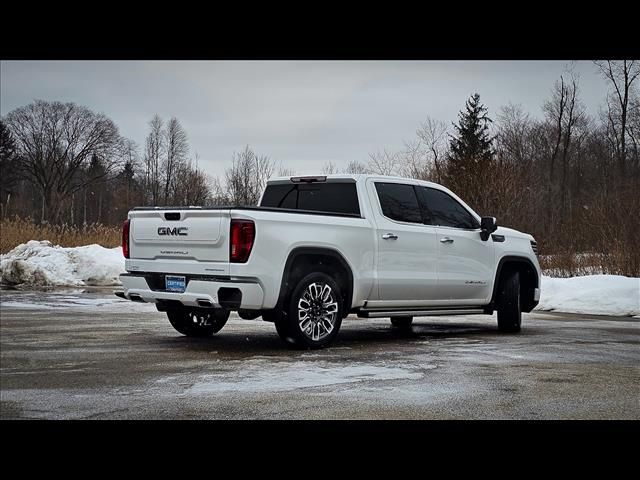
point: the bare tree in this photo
(219, 194)
(384, 162)
(621, 74)
(329, 168)
(574, 119)
(130, 151)
(177, 149)
(286, 171)
(414, 161)
(633, 128)
(555, 111)
(355, 167)
(433, 134)
(56, 142)
(248, 176)
(423, 157)
(192, 187)
(153, 153)
(513, 132)
(564, 113)
(516, 177)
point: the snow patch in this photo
(71, 302)
(283, 376)
(593, 294)
(41, 264)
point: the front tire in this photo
(314, 312)
(509, 310)
(198, 322)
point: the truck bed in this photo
(253, 208)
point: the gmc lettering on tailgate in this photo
(173, 231)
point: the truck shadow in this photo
(353, 336)
(418, 332)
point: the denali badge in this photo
(172, 231)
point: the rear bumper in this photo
(222, 294)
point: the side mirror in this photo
(488, 225)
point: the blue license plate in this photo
(175, 284)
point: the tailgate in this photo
(200, 235)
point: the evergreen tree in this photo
(9, 168)
(127, 173)
(470, 159)
(8, 158)
(472, 145)
(96, 176)
(125, 182)
(125, 192)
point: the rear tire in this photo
(198, 322)
(402, 322)
(282, 327)
(509, 311)
(314, 312)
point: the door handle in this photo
(390, 236)
(446, 240)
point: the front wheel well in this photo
(304, 261)
(529, 280)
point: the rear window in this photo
(320, 197)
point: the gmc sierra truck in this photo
(319, 248)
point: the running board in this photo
(417, 313)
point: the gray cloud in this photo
(301, 113)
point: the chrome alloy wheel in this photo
(317, 311)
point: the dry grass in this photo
(569, 265)
(15, 231)
(617, 261)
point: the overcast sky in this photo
(301, 113)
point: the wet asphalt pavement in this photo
(90, 356)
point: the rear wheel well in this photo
(307, 260)
(528, 280)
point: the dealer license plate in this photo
(175, 284)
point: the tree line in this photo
(569, 178)
(62, 163)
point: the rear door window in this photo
(399, 202)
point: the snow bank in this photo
(40, 264)
(592, 294)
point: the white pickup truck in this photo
(319, 248)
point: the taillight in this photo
(125, 238)
(243, 232)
